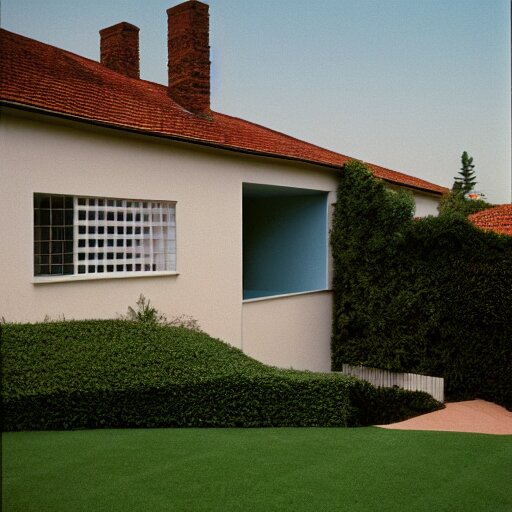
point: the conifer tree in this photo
(466, 182)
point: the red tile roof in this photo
(497, 219)
(39, 76)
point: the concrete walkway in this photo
(476, 416)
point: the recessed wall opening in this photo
(284, 240)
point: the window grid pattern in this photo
(122, 235)
(53, 234)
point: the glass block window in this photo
(53, 235)
(103, 235)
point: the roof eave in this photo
(191, 140)
(163, 135)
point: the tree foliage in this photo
(429, 296)
(466, 181)
(455, 202)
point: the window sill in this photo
(97, 277)
(284, 295)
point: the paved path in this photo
(472, 416)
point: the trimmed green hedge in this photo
(96, 374)
(430, 296)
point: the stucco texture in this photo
(43, 154)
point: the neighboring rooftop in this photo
(497, 219)
(43, 78)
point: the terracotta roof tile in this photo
(497, 219)
(40, 76)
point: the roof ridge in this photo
(53, 47)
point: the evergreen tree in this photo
(466, 182)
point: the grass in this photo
(309, 469)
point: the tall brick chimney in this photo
(189, 56)
(119, 49)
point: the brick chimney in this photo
(119, 49)
(189, 56)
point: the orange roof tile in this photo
(39, 76)
(497, 219)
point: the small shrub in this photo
(185, 321)
(147, 314)
(60, 318)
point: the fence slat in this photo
(383, 378)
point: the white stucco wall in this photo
(41, 154)
(48, 155)
(289, 332)
(426, 204)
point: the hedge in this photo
(430, 296)
(98, 374)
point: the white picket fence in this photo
(382, 378)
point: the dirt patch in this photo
(476, 416)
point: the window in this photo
(284, 240)
(94, 236)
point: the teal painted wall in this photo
(284, 242)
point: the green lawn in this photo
(253, 470)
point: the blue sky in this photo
(406, 84)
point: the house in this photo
(497, 219)
(113, 186)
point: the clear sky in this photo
(406, 84)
